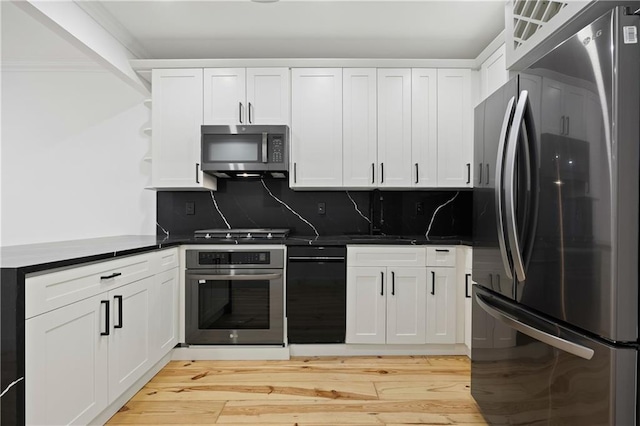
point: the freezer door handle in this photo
(510, 185)
(499, 184)
(549, 339)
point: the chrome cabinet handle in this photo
(381, 283)
(468, 173)
(480, 174)
(381, 172)
(393, 283)
(417, 174)
(433, 283)
(295, 174)
(197, 172)
(119, 299)
(240, 112)
(250, 107)
(106, 316)
(499, 185)
(551, 340)
(373, 173)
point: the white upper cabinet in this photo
(316, 128)
(394, 127)
(360, 145)
(268, 96)
(455, 128)
(235, 96)
(493, 72)
(424, 127)
(565, 113)
(176, 121)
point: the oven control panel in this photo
(233, 258)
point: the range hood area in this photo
(245, 151)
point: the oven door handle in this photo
(235, 277)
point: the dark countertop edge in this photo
(27, 268)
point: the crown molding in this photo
(107, 21)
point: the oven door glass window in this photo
(233, 304)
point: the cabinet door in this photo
(316, 128)
(359, 127)
(366, 305)
(493, 72)
(66, 365)
(424, 127)
(394, 127)
(455, 128)
(164, 313)
(224, 96)
(441, 305)
(129, 344)
(176, 121)
(406, 305)
(468, 285)
(268, 96)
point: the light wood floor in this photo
(308, 391)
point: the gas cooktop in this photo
(237, 233)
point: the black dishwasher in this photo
(316, 294)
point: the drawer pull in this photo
(433, 283)
(393, 283)
(442, 250)
(381, 283)
(108, 277)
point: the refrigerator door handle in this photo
(510, 185)
(551, 340)
(499, 172)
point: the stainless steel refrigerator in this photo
(555, 254)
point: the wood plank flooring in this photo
(308, 391)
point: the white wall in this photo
(72, 157)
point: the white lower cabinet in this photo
(129, 343)
(441, 305)
(82, 356)
(385, 305)
(66, 364)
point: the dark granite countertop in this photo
(43, 256)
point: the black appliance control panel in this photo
(233, 258)
(276, 148)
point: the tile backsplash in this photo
(248, 204)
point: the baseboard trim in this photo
(231, 353)
(113, 408)
(374, 350)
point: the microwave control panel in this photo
(276, 148)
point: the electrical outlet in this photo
(190, 208)
(419, 208)
(322, 208)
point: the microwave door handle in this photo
(264, 147)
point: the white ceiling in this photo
(215, 29)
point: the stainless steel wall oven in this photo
(234, 296)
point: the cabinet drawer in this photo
(168, 259)
(385, 256)
(441, 256)
(52, 290)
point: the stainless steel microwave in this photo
(245, 151)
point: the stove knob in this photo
(207, 236)
(269, 235)
(248, 234)
(228, 236)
